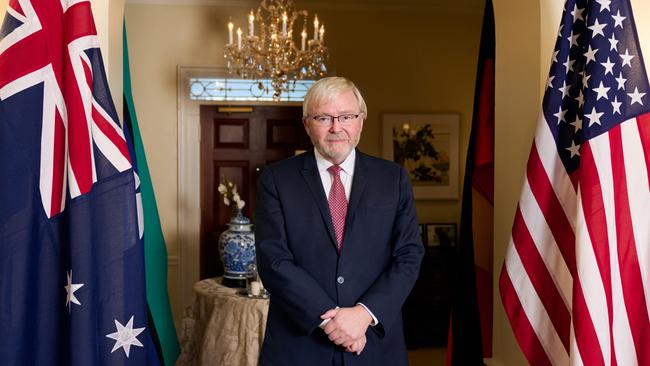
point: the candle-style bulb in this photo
(251, 24)
(284, 23)
(322, 34)
(230, 26)
(316, 28)
(239, 38)
(303, 39)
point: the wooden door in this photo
(237, 142)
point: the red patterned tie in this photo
(338, 204)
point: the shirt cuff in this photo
(374, 318)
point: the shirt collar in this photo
(347, 165)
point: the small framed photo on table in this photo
(440, 234)
(423, 233)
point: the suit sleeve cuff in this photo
(374, 318)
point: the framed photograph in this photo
(427, 146)
(439, 234)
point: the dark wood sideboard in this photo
(426, 310)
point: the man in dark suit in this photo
(338, 245)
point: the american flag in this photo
(71, 259)
(576, 279)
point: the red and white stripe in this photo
(576, 279)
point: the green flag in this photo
(155, 251)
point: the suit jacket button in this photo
(340, 280)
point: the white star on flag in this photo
(577, 124)
(580, 98)
(616, 106)
(577, 13)
(627, 58)
(549, 83)
(604, 4)
(574, 149)
(70, 288)
(602, 91)
(613, 42)
(590, 54)
(636, 96)
(573, 39)
(594, 117)
(609, 67)
(564, 89)
(618, 19)
(569, 64)
(560, 115)
(125, 336)
(585, 79)
(597, 28)
(621, 81)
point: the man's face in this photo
(334, 140)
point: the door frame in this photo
(189, 179)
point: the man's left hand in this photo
(346, 325)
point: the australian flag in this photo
(72, 286)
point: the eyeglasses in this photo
(344, 119)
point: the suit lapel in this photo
(312, 177)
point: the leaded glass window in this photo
(224, 89)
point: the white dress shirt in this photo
(346, 174)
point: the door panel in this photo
(231, 133)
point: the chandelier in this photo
(268, 50)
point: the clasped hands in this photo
(347, 327)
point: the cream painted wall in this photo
(402, 62)
(517, 100)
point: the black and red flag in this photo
(470, 331)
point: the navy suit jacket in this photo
(306, 275)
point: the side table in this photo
(222, 327)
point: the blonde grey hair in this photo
(326, 89)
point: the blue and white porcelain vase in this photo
(237, 248)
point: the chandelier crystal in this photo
(267, 50)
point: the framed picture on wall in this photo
(427, 146)
(441, 234)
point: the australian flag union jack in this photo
(72, 287)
